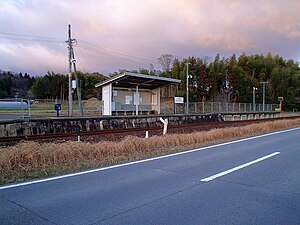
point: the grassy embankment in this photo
(29, 159)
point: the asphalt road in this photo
(254, 181)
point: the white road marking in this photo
(140, 161)
(238, 167)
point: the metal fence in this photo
(215, 107)
(14, 109)
(18, 108)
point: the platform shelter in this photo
(133, 94)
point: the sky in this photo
(131, 34)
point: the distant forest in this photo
(232, 79)
(220, 79)
(55, 85)
(50, 86)
(15, 84)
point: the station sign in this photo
(178, 100)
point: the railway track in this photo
(117, 134)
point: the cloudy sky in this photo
(131, 34)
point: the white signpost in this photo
(178, 100)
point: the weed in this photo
(29, 159)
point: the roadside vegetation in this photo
(28, 159)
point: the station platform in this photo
(58, 125)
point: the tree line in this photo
(14, 84)
(226, 79)
(50, 86)
(55, 85)
(232, 79)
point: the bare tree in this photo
(152, 70)
(166, 60)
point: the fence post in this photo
(22, 108)
(212, 107)
(29, 112)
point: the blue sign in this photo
(57, 107)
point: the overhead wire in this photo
(119, 51)
(137, 59)
(96, 48)
(22, 37)
(103, 52)
(83, 62)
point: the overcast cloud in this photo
(130, 34)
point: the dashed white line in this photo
(207, 179)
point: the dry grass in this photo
(29, 159)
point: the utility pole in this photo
(80, 109)
(264, 93)
(69, 42)
(72, 61)
(187, 87)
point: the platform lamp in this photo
(254, 89)
(187, 87)
(264, 93)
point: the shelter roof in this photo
(131, 80)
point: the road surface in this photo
(252, 181)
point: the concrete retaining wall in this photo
(70, 125)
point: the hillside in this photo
(12, 84)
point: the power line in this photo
(115, 55)
(14, 36)
(97, 48)
(90, 45)
(134, 55)
(119, 54)
(84, 62)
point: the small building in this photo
(133, 94)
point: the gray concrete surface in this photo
(10, 117)
(170, 191)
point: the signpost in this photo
(178, 100)
(57, 108)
